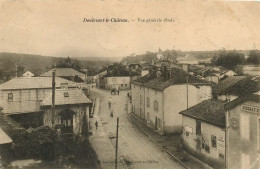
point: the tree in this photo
(254, 57)
(230, 59)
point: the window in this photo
(214, 141)
(66, 94)
(122, 85)
(10, 97)
(125, 85)
(148, 102)
(156, 106)
(244, 126)
(198, 127)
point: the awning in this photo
(4, 138)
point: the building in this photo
(203, 132)
(28, 74)
(236, 86)
(27, 101)
(243, 132)
(153, 95)
(117, 82)
(67, 73)
(253, 70)
(188, 60)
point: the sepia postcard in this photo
(129, 84)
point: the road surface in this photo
(136, 150)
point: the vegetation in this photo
(254, 57)
(38, 64)
(230, 59)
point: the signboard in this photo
(188, 129)
(251, 109)
(221, 145)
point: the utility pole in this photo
(117, 125)
(187, 93)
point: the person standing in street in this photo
(96, 124)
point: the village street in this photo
(136, 150)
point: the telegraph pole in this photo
(187, 93)
(117, 125)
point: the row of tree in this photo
(230, 59)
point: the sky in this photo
(56, 27)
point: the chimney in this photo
(53, 88)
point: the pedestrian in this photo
(118, 92)
(109, 104)
(96, 124)
(92, 86)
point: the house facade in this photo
(203, 132)
(29, 102)
(120, 82)
(158, 101)
(243, 132)
(28, 74)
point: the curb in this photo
(174, 157)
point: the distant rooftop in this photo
(62, 72)
(238, 85)
(178, 76)
(66, 97)
(34, 83)
(210, 111)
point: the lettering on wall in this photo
(221, 145)
(251, 109)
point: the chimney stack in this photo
(53, 88)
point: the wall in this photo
(121, 82)
(138, 99)
(207, 130)
(238, 145)
(144, 72)
(175, 100)
(151, 115)
(214, 79)
(24, 100)
(52, 118)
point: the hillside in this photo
(39, 64)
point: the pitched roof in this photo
(62, 72)
(250, 97)
(237, 85)
(178, 76)
(34, 82)
(10, 128)
(210, 111)
(146, 78)
(66, 97)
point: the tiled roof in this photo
(242, 99)
(62, 72)
(66, 97)
(146, 78)
(237, 85)
(210, 111)
(178, 76)
(34, 83)
(10, 127)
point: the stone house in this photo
(203, 131)
(243, 132)
(27, 101)
(158, 100)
